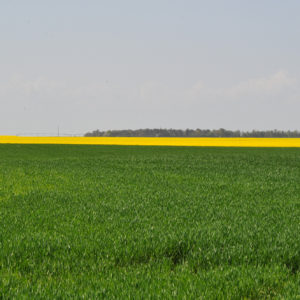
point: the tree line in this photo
(192, 133)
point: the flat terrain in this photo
(157, 141)
(149, 222)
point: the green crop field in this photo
(149, 222)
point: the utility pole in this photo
(58, 130)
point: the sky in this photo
(82, 65)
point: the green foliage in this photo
(161, 132)
(149, 222)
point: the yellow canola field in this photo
(156, 141)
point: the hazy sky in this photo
(115, 64)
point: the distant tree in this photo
(191, 133)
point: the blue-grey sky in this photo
(94, 64)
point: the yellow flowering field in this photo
(156, 141)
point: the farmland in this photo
(156, 141)
(84, 221)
